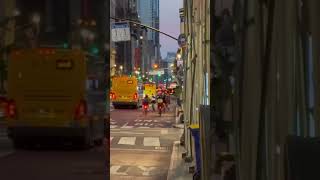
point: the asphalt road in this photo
(141, 146)
(51, 162)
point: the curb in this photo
(173, 161)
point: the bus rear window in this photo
(64, 64)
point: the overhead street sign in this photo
(120, 31)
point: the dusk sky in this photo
(170, 24)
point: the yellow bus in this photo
(150, 89)
(55, 93)
(124, 91)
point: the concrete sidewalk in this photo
(178, 169)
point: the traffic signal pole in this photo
(149, 27)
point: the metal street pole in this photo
(146, 26)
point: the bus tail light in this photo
(135, 96)
(112, 96)
(11, 109)
(81, 110)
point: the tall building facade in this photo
(148, 11)
(58, 23)
(123, 53)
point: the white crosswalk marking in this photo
(126, 127)
(138, 124)
(114, 169)
(151, 141)
(164, 131)
(127, 140)
(146, 170)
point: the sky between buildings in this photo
(170, 24)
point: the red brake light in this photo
(11, 109)
(81, 110)
(135, 96)
(112, 96)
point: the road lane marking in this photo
(113, 126)
(127, 140)
(164, 131)
(138, 124)
(151, 141)
(142, 150)
(124, 125)
(146, 170)
(114, 169)
(125, 132)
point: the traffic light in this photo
(65, 45)
(155, 66)
(159, 74)
(94, 50)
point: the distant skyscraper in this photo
(148, 11)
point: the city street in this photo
(141, 146)
(50, 162)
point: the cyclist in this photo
(153, 102)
